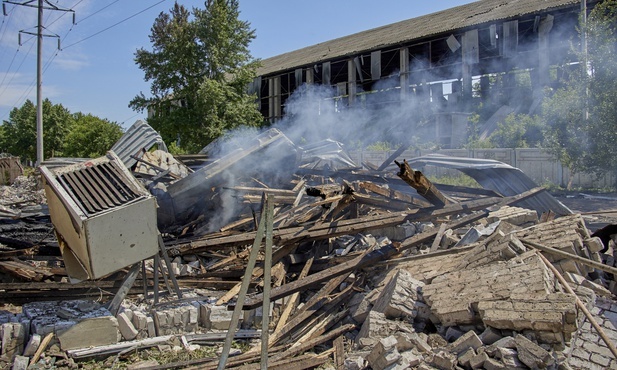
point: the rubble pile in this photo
(327, 265)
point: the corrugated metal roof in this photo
(139, 137)
(499, 177)
(475, 13)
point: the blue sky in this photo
(94, 71)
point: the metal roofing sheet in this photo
(139, 137)
(472, 14)
(499, 177)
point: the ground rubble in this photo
(366, 273)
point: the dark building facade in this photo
(451, 59)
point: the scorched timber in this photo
(326, 230)
(378, 255)
(423, 186)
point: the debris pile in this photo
(314, 261)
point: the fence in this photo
(538, 165)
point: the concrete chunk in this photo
(466, 341)
(384, 353)
(96, 331)
(13, 338)
(532, 354)
(33, 345)
(126, 327)
(399, 296)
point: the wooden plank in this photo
(293, 301)
(314, 342)
(127, 284)
(265, 307)
(339, 353)
(244, 288)
(438, 237)
(357, 263)
(423, 185)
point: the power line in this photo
(18, 68)
(114, 25)
(96, 12)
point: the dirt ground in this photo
(598, 209)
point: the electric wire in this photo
(115, 24)
(48, 63)
(18, 68)
(96, 12)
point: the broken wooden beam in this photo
(423, 186)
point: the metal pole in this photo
(39, 84)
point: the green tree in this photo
(518, 131)
(19, 132)
(199, 69)
(90, 136)
(582, 116)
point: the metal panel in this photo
(376, 65)
(298, 76)
(510, 39)
(103, 217)
(138, 138)
(326, 77)
(499, 177)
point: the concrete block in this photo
(20, 363)
(477, 361)
(150, 327)
(466, 341)
(376, 326)
(443, 360)
(126, 327)
(490, 335)
(398, 297)
(96, 331)
(33, 345)
(492, 364)
(465, 357)
(532, 354)
(13, 339)
(410, 359)
(384, 354)
(220, 318)
(359, 307)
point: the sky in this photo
(94, 72)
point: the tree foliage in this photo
(518, 131)
(199, 69)
(64, 133)
(582, 116)
(19, 132)
(90, 136)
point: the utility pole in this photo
(39, 63)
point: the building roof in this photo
(468, 15)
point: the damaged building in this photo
(310, 259)
(265, 251)
(449, 60)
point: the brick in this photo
(600, 360)
(466, 341)
(532, 354)
(477, 362)
(443, 360)
(384, 353)
(126, 327)
(595, 348)
(492, 364)
(465, 357)
(490, 335)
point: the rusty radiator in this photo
(103, 217)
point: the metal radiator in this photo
(104, 218)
